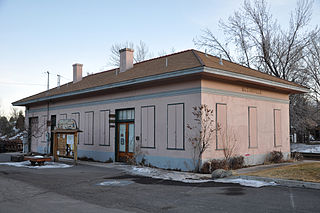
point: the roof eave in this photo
(174, 74)
(292, 88)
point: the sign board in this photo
(70, 139)
(64, 144)
(67, 124)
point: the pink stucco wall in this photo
(235, 99)
(160, 103)
(237, 119)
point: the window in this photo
(126, 114)
(88, 129)
(175, 126)
(76, 116)
(148, 126)
(277, 127)
(43, 127)
(63, 116)
(104, 133)
(252, 127)
(33, 125)
(221, 125)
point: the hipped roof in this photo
(169, 64)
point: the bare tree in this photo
(141, 52)
(163, 52)
(303, 111)
(202, 132)
(313, 63)
(229, 143)
(254, 38)
(259, 41)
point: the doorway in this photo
(125, 141)
(125, 135)
(53, 125)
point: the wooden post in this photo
(75, 148)
(55, 146)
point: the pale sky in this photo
(41, 35)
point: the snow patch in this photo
(192, 177)
(168, 175)
(300, 147)
(47, 165)
(17, 136)
(115, 183)
(244, 182)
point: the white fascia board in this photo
(253, 79)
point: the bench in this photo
(37, 160)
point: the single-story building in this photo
(143, 109)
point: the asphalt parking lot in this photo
(77, 189)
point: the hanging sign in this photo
(67, 124)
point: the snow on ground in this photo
(300, 147)
(187, 177)
(17, 136)
(244, 182)
(47, 165)
(115, 183)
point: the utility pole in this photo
(58, 80)
(47, 132)
(48, 80)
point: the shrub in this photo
(143, 162)
(218, 164)
(297, 156)
(236, 162)
(85, 158)
(275, 157)
(205, 168)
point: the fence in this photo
(11, 145)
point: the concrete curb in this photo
(282, 182)
(6, 156)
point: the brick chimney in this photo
(77, 72)
(126, 59)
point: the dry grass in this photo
(309, 172)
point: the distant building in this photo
(144, 108)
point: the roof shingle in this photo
(178, 61)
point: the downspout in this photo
(28, 129)
(47, 133)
